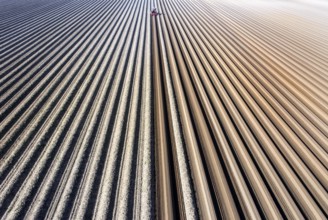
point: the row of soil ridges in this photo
(209, 110)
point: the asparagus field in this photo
(203, 109)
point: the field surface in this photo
(212, 109)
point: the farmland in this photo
(211, 109)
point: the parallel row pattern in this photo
(250, 86)
(213, 109)
(76, 115)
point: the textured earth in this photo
(211, 109)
